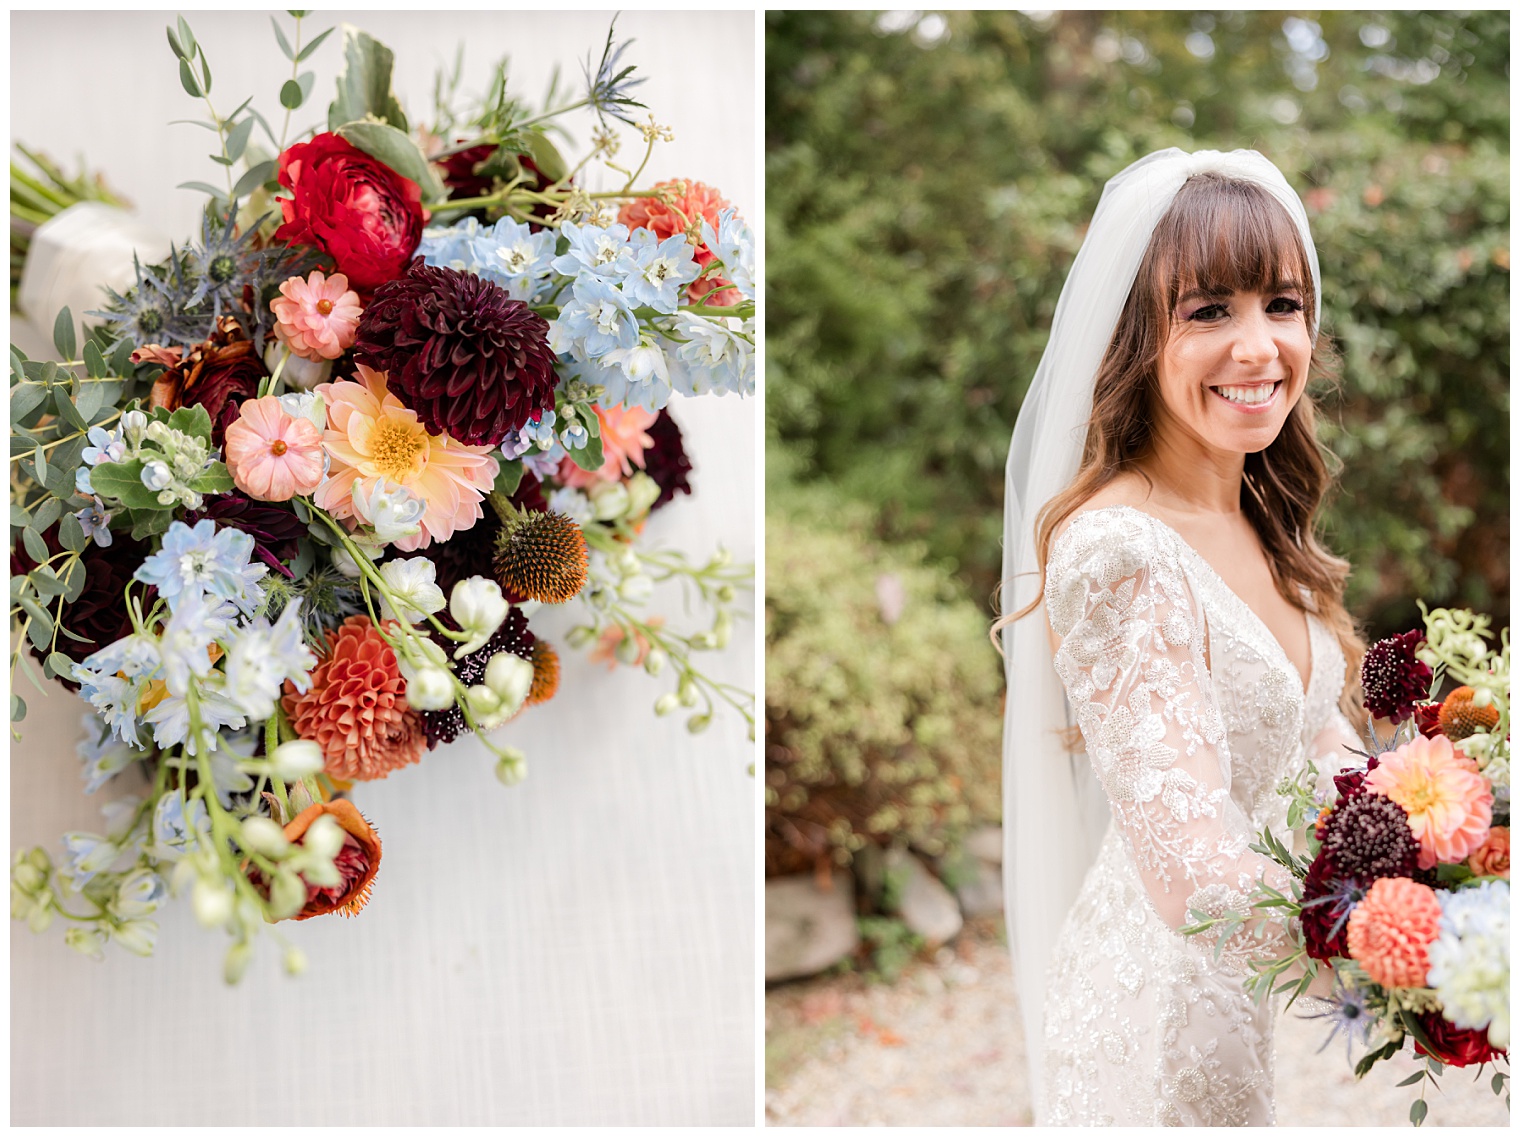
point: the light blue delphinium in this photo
(195, 561)
(733, 244)
(661, 271)
(595, 252)
(573, 504)
(112, 680)
(171, 832)
(104, 756)
(595, 322)
(260, 658)
(88, 855)
(713, 357)
(509, 254)
(193, 626)
(1469, 959)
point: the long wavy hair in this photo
(1220, 235)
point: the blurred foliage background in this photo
(929, 177)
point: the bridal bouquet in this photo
(284, 520)
(1403, 887)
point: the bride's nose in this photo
(1254, 341)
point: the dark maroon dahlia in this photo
(1393, 679)
(275, 529)
(1368, 836)
(471, 361)
(666, 461)
(513, 636)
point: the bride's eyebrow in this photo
(1205, 294)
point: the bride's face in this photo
(1234, 365)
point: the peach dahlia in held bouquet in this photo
(343, 452)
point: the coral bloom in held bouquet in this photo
(1403, 890)
(287, 521)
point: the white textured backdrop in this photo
(576, 950)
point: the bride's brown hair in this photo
(1220, 235)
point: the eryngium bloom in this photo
(471, 361)
(1393, 679)
(542, 556)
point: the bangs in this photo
(1222, 236)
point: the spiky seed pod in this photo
(545, 674)
(541, 556)
(1460, 716)
(1368, 837)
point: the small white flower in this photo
(510, 677)
(138, 936)
(324, 839)
(392, 510)
(139, 893)
(414, 581)
(297, 759)
(262, 835)
(430, 689)
(308, 405)
(156, 475)
(636, 589)
(609, 500)
(573, 504)
(643, 492)
(479, 608)
(212, 902)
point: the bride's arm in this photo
(1132, 660)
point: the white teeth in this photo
(1248, 396)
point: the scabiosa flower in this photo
(1448, 802)
(1469, 960)
(1391, 930)
(1392, 678)
(372, 436)
(666, 461)
(541, 556)
(1368, 836)
(318, 317)
(470, 360)
(357, 861)
(271, 455)
(513, 636)
(1459, 716)
(625, 438)
(356, 707)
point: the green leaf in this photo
(94, 362)
(174, 44)
(237, 138)
(191, 420)
(40, 630)
(26, 398)
(1417, 1111)
(46, 582)
(214, 479)
(397, 150)
(220, 195)
(206, 71)
(187, 80)
(19, 515)
(121, 358)
(67, 410)
(1418, 1076)
(305, 557)
(39, 463)
(508, 477)
(186, 37)
(291, 95)
(60, 663)
(283, 42)
(147, 524)
(46, 514)
(313, 45)
(122, 481)
(364, 87)
(589, 456)
(71, 533)
(63, 334)
(253, 179)
(547, 157)
(75, 576)
(219, 160)
(18, 708)
(1498, 1083)
(91, 395)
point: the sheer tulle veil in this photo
(1054, 813)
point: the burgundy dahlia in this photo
(1393, 679)
(471, 361)
(1368, 836)
(275, 529)
(513, 636)
(666, 461)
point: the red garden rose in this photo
(1454, 1045)
(353, 207)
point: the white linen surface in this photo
(575, 950)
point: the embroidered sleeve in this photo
(1132, 660)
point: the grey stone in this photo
(925, 905)
(808, 929)
(982, 895)
(986, 844)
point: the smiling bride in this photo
(1163, 484)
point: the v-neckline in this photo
(1304, 680)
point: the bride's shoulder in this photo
(1112, 518)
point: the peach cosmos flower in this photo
(1449, 803)
(625, 437)
(1391, 930)
(372, 437)
(356, 708)
(688, 205)
(271, 454)
(357, 861)
(1492, 857)
(317, 318)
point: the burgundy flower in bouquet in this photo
(1454, 1045)
(357, 861)
(512, 636)
(460, 176)
(353, 207)
(1393, 679)
(218, 374)
(471, 361)
(275, 529)
(666, 461)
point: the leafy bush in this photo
(881, 700)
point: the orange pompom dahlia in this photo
(1449, 803)
(1391, 930)
(356, 708)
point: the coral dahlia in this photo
(1449, 803)
(1391, 931)
(356, 708)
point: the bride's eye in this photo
(1283, 305)
(1209, 312)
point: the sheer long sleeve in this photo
(1132, 659)
(1333, 748)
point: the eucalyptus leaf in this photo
(91, 395)
(1498, 1083)
(206, 71)
(1418, 1076)
(67, 410)
(19, 515)
(25, 398)
(187, 80)
(364, 87)
(211, 126)
(46, 582)
(40, 630)
(291, 95)
(71, 533)
(60, 479)
(75, 576)
(1417, 1111)
(63, 334)
(219, 160)
(174, 44)
(60, 663)
(39, 464)
(279, 36)
(313, 45)
(397, 150)
(237, 138)
(47, 513)
(253, 179)
(36, 547)
(18, 708)
(66, 458)
(186, 37)
(121, 358)
(94, 361)
(547, 157)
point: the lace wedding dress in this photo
(1191, 714)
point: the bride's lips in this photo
(1249, 408)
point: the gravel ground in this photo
(944, 1046)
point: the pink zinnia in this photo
(271, 454)
(317, 318)
(625, 437)
(372, 437)
(1449, 803)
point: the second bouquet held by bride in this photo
(286, 519)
